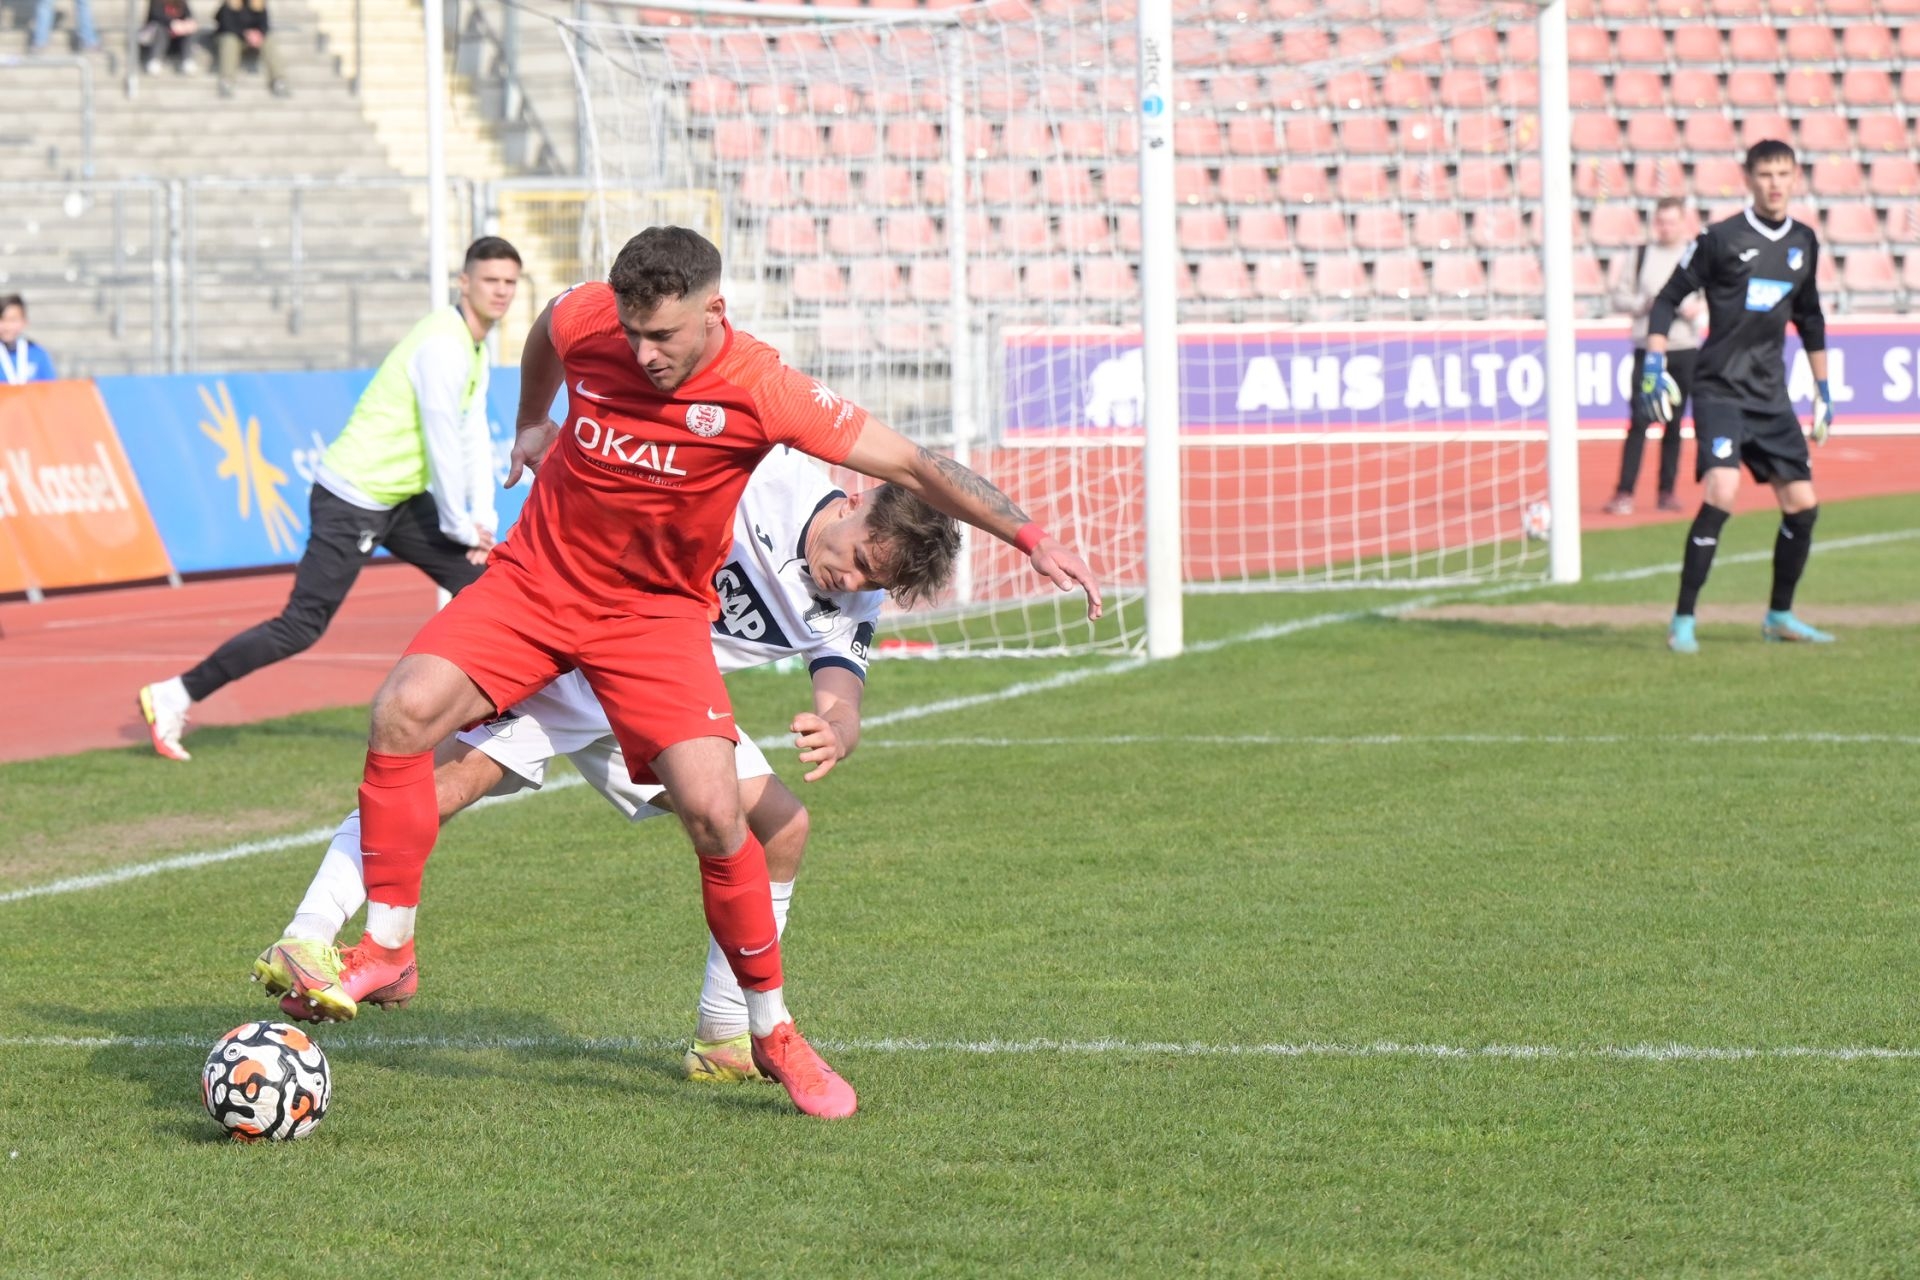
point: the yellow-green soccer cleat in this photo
(722, 1061)
(308, 970)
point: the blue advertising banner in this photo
(227, 460)
(1239, 380)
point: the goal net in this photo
(939, 213)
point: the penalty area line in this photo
(1418, 1050)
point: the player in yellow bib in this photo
(412, 472)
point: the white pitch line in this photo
(1405, 740)
(1088, 1048)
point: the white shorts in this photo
(565, 719)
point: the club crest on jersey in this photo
(706, 419)
(1722, 447)
(1796, 257)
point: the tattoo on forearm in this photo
(974, 485)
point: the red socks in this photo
(399, 821)
(740, 913)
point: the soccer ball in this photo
(1537, 521)
(266, 1081)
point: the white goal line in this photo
(1114, 1046)
(1393, 740)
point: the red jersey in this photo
(634, 504)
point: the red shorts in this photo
(512, 633)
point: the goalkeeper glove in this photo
(1659, 393)
(1822, 414)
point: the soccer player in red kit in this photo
(609, 571)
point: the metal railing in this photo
(42, 62)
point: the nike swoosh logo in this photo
(754, 951)
(581, 387)
(723, 715)
(1705, 542)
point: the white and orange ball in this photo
(266, 1082)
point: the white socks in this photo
(172, 695)
(391, 927)
(337, 889)
(725, 1010)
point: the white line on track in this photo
(1024, 688)
(1100, 1047)
(1407, 740)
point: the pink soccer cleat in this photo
(370, 974)
(815, 1088)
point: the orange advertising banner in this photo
(71, 514)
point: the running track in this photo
(70, 666)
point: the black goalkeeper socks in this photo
(1791, 547)
(1703, 539)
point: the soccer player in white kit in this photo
(808, 572)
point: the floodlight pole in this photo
(434, 15)
(1556, 241)
(1159, 331)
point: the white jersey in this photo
(770, 609)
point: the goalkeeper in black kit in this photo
(1757, 269)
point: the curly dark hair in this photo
(916, 546)
(662, 263)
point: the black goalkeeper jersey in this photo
(1756, 278)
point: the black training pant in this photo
(1680, 365)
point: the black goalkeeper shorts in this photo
(1770, 442)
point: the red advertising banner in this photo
(71, 512)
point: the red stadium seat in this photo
(1351, 91)
(1420, 135)
(1198, 137)
(1006, 184)
(843, 331)
(1485, 180)
(1290, 90)
(712, 96)
(891, 186)
(1366, 136)
(1480, 133)
(1894, 176)
(907, 332)
(1870, 277)
(1600, 179)
(1241, 182)
(1657, 176)
(1903, 226)
(765, 186)
(1400, 275)
(1405, 90)
(825, 188)
(1615, 225)
(1523, 44)
(1910, 277)
(1526, 177)
(737, 140)
(1262, 230)
(1910, 83)
(1122, 183)
(1498, 228)
(1516, 275)
(1595, 131)
(1866, 87)
(797, 140)
(1363, 182)
(1852, 224)
(1307, 136)
(1718, 179)
(1321, 230)
(1304, 183)
(1759, 125)
(1753, 43)
(1464, 89)
(1306, 46)
(1418, 46)
(773, 99)
(1235, 91)
(992, 278)
(1809, 88)
(1280, 279)
(1808, 43)
(1376, 229)
(1422, 182)
(1695, 90)
(1026, 232)
(850, 235)
(1586, 89)
(1882, 133)
(1625, 10)
(1193, 183)
(1747, 87)
(1708, 137)
(913, 140)
(1338, 281)
(930, 280)
(1640, 44)
(1027, 138)
(1085, 231)
(1252, 135)
(1252, 49)
(1822, 133)
(1838, 177)
(824, 98)
(1589, 45)
(1224, 280)
(1458, 277)
(1474, 47)
(1737, 8)
(815, 282)
(1051, 280)
(1635, 88)
(793, 235)
(877, 280)
(1652, 132)
(1083, 138)
(1867, 42)
(1068, 184)
(912, 232)
(1699, 45)
(854, 140)
(1201, 230)
(1108, 280)
(1359, 42)
(1520, 87)
(1440, 228)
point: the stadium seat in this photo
(1480, 133)
(1026, 232)
(843, 332)
(1321, 231)
(1851, 224)
(1520, 87)
(1708, 135)
(797, 140)
(1065, 96)
(854, 140)
(793, 235)
(850, 235)
(1894, 176)
(1366, 136)
(1421, 135)
(1252, 49)
(1910, 83)
(816, 282)
(1866, 87)
(1823, 133)
(1718, 179)
(1350, 91)
(1589, 277)
(1203, 230)
(1280, 279)
(1458, 278)
(912, 233)
(1764, 124)
(1241, 182)
(907, 333)
(1589, 46)
(1235, 91)
(1640, 44)
(1692, 89)
(1121, 183)
(1834, 176)
(877, 280)
(1657, 176)
(1438, 229)
(1600, 179)
(825, 188)
(1586, 89)
(1126, 136)
(1068, 184)
(1483, 180)
(1637, 88)
(1027, 138)
(1085, 231)
(992, 278)
(765, 186)
(1652, 132)
(1200, 137)
(891, 186)
(1252, 135)
(1747, 87)
(1526, 177)
(825, 98)
(1698, 44)
(773, 99)
(1867, 42)
(1465, 89)
(1193, 183)
(1809, 89)
(712, 96)
(1108, 280)
(1881, 132)
(929, 280)
(1050, 280)
(1359, 42)
(1753, 43)
(913, 140)
(1401, 276)
(1010, 184)
(1263, 230)
(1290, 90)
(1497, 227)
(1406, 90)
(1376, 229)
(1306, 46)
(1474, 47)
(1423, 182)
(1306, 136)
(1303, 183)
(1517, 276)
(1224, 280)
(1363, 182)
(1804, 43)
(1083, 139)
(1870, 278)
(1616, 225)
(1625, 10)
(1903, 226)
(736, 140)
(1595, 131)
(1523, 45)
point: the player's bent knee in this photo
(716, 829)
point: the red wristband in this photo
(1030, 536)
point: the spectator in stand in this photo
(243, 24)
(169, 33)
(21, 359)
(82, 26)
(1637, 281)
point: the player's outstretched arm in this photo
(540, 376)
(828, 734)
(964, 494)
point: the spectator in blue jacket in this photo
(21, 359)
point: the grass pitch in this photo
(1378, 948)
